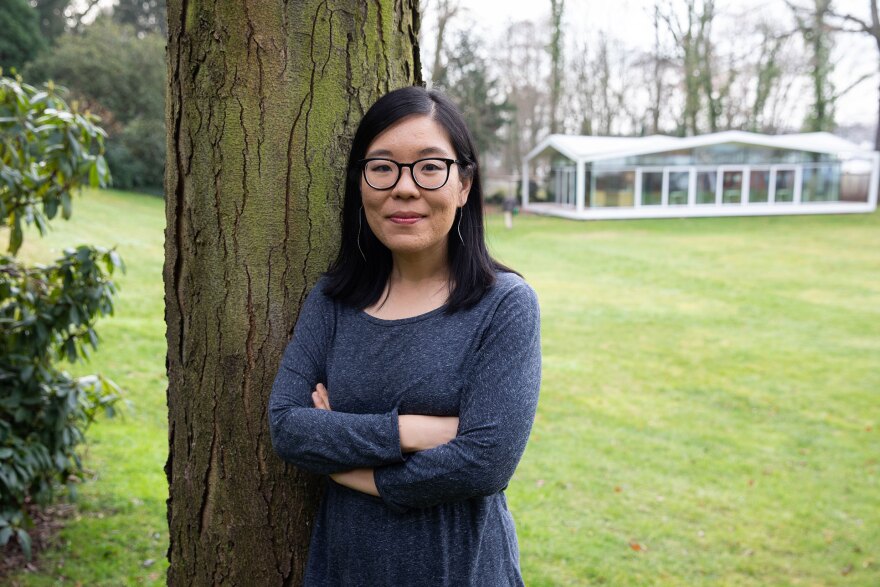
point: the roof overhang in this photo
(590, 148)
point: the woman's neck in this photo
(418, 283)
(420, 268)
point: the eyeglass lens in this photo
(428, 173)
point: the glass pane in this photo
(759, 185)
(821, 184)
(706, 182)
(614, 188)
(854, 185)
(679, 184)
(652, 188)
(784, 185)
(731, 187)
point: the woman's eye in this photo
(381, 168)
(429, 167)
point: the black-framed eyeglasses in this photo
(431, 173)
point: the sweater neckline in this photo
(401, 321)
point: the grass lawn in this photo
(710, 407)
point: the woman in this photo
(413, 373)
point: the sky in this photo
(630, 21)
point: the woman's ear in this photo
(464, 189)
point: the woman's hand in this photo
(321, 398)
(357, 479)
(424, 432)
(416, 432)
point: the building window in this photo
(613, 188)
(679, 186)
(759, 186)
(652, 188)
(731, 186)
(855, 179)
(821, 184)
(784, 191)
(707, 183)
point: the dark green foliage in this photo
(20, 38)
(146, 16)
(47, 313)
(467, 81)
(52, 21)
(120, 75)
(813, 24)
(109, 64)
(137, 155)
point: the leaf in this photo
(66, 205)
(94, 177)
(16, 237)
(24, 540)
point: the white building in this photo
(730, 173)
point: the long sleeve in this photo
(315, 440)
(496, 413)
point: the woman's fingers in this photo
(325, 395)
(320, 397)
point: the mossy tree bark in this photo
(263, 99)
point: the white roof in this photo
(592, 148)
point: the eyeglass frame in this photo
(363, 165)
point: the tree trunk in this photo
(557, 63)
(263, 99)
(877, 129)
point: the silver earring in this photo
(359, 235)
(459, 224)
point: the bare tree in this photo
(522, 64)
(581, 103)
(850, 23)
(446, 11)
(557, 62)
(812, 23)
(691, 36)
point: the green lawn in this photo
(709, 411)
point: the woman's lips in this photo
(404, 219)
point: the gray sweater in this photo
(442, 517)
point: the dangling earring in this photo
(460, 216)
(359, 235)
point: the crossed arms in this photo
(414, 461)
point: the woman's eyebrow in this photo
(425, 151)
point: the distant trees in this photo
(466, 78)
(709, 66)
(20, 40)
(145, 16)
(557, 62)
(864, 25)
(118, 74)
(812, 24)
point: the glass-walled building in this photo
(723, 174)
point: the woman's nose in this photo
(406, 185)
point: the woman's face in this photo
(407, 218)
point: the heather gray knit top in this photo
(442, 517)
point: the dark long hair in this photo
(360, 282)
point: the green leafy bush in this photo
(47, 312)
